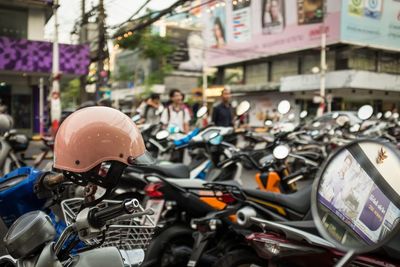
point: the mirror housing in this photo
(201, 112)
(242, 108)
(365, 112)
(284, 107)
(281, 152)
(162, 135)
(355, 199)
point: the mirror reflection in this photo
(358, 198)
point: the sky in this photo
(117, 11)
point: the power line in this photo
(134, 14)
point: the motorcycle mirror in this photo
(303, 114)
(234, 103)
(201, 112)
(355, 198)
(160, 110)
(316, 124)
(315, 133)
(355, 128)
(215, 138)
(268, 123)
(365, 112)
(242, 108)
(136, 118)
(162, 135)
(388, 114)
(280, 152)
(284, 107)
(379, 115)
(335, 115)
(395, 115)
(291, 116)
(342, 120)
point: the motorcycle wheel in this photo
(241, 258)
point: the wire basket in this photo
(126, 232)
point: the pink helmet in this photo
(94, 135)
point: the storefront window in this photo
(363, 59)
(233, 75)
(257, 73)
(13, 23)
(21, 111)
(284, 67)
(390, 63)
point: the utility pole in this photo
(55, 104)
(83, 39)
(101, 56)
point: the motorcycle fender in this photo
(47, 258)
(158, 243)
(5, 149)
(101, 257)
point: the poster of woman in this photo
(273, 16)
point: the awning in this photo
(353, 79)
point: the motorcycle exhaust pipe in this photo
(244, 214)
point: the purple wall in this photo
(35, 56)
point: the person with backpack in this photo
(177, 114)
(149, 109)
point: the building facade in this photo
(270, 54)
(25, 57)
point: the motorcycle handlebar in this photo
(50, 181)
(98, 218)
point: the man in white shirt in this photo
(176, 115)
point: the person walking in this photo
(177, 114)
(223, 114)
(150, 109)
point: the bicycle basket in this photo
(125, 233)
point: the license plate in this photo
(157, 206)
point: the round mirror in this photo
(284, 107)
(303, 114)
(335, 115)
(291, 116)
(268, 123)
(162, 135)
(242, 108)
(395, 115)
(342, 120)
(355, 199)
(215, 138)
(201, 112)
(316, 124)
(234, 103)
(388, 114)
(280, 152)
(379, 115)
(355, 128)
(365, 112)
(136, 118)
(160, 110)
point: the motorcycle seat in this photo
(170, 170)
(299, 201)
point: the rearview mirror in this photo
(201, 112)
(215, 138)
(284, 107)
(159, 110)
(388, 114)
(243, 108)
(395, 115)
(280, 152)
(355, 199)
(162, 135)
(303, 114)
(365, 112)
(291, 116)
(268, 123)
(379, 115)
(136, 118)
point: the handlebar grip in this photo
(98, 218)
(52, 180)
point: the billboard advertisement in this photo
(250, 29)
(371, 22)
